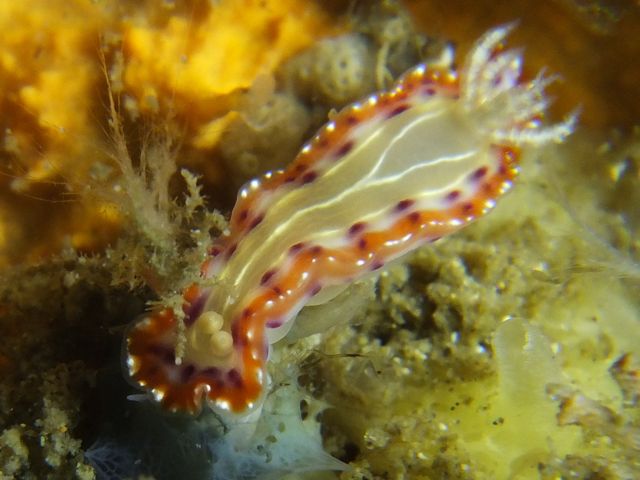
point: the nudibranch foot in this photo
(384, 176)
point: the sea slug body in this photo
(386, 175)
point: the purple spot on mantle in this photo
(467, 207)
(414, 217)
(344, 149)
(234, 378)
(267, 276)
(275, 323)
(256, 221)
(296, 248)
(212, 372)
(398, 110)
(194, 309)
(356, 228)
(402, 205)
(308, 177)
(165, 354)
(231, 250)
(186, 373)
(238, 342)
(453, 195)
(377, 265)
(479, 173)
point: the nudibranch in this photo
(385, 175)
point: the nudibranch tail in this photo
(386, 175)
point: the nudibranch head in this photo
(386, 175)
